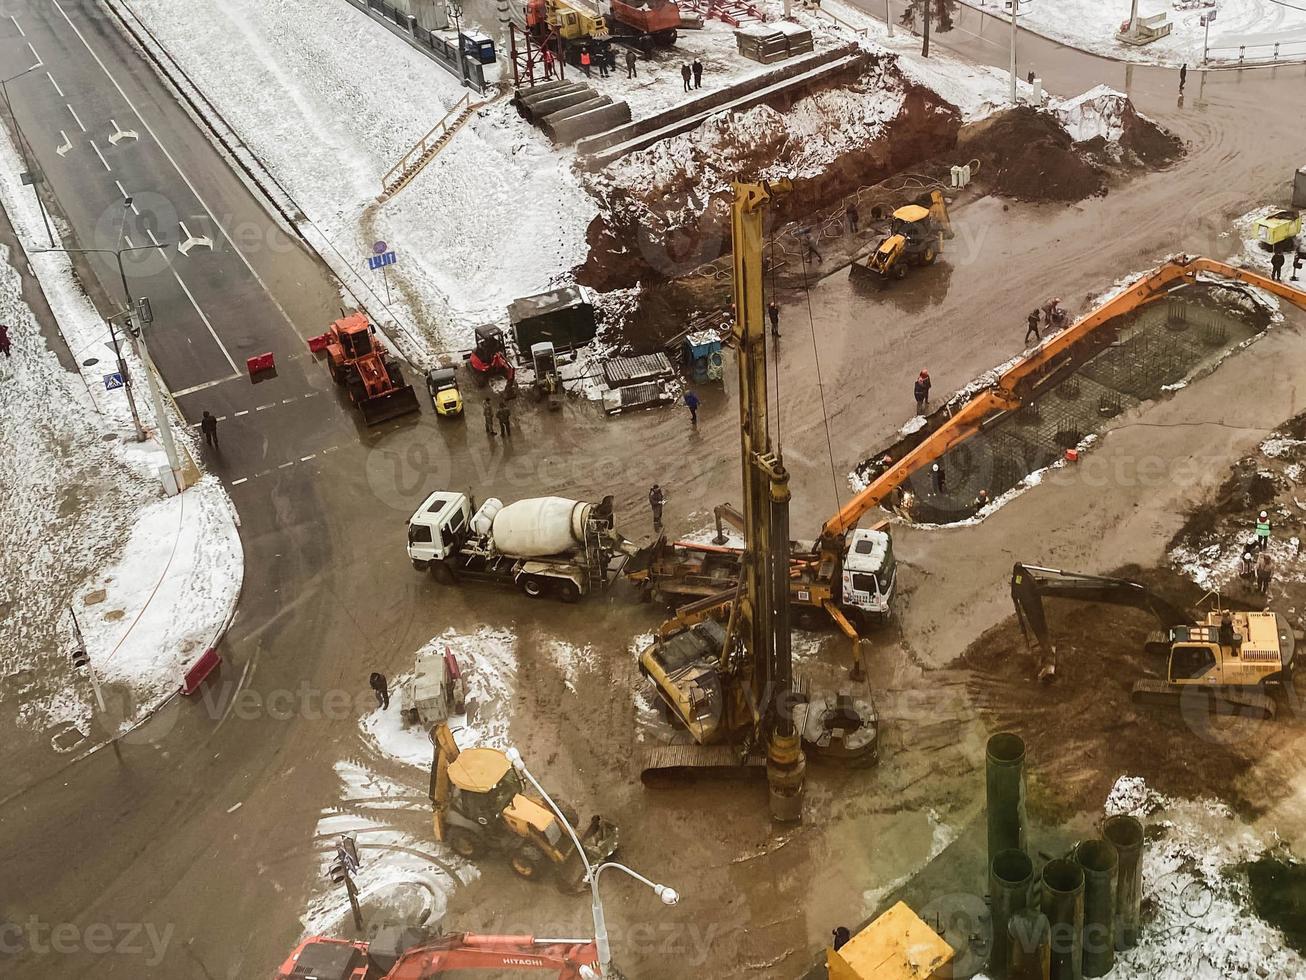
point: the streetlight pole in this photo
(156, 398)
(1014, 5)
(456, 9)
(22, 145)
(668, 895)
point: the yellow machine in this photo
(896, 946)
(723, 667)
(916, 235)
(481, 804)
(571, 20)
(1281, 226)
(1225, 662)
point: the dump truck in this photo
(541, 545)
(644, 24)
(366, 370)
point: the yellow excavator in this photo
(722, 668)
(480, 804)
(916, 235)
(1223, 663)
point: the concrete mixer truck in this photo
(545, 546)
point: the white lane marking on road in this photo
(39, 60)
(18, 25)
(67, 144)
(76, 119)
(243, 479)
(311, 394)
(287, 401)
(259, 279)
(259, 408)
(207, 384)
(190, 296)
(100, 155)
(121, 190)
(305, 459)
(239, 414)
(284, 465)
(56, 85)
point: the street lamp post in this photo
(456, 9)
(22, 145)
(156, 398)
(668, 895)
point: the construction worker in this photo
(1227, 636)
(1183, 76)
(603, 57)
(585, 61)
(940, 478)
(1247, 566)
(488, 412)
(773, 311)
(1263, 531)
(841, 937)
(505, 420)
(1276, 267)
(209, 426)
(981, 500)
(381, 687)
(922, 390)
(657, 499)
(698, 73)
(809, 247)
(1052, 311)
(548, 63)
(852, 216)
(1264, 572)
(630, 63)
(684, 75)
(1032, 328)
(1296, 265)
(691, 403)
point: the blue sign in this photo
(375, 262)
(112, 381)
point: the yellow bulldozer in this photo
(481, 804)
(916, 235)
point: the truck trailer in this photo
(544, 546)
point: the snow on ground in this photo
(1198, 921)
(488, 660)
(150, 579)
(404, 877)
(495, 216)
(1092, 26)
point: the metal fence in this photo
(471, 72)
(1256, 54)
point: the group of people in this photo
(1261, 568)
(502, 415)
(1050, 314)
(692, 71)
(604, 58)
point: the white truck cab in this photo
(869, 573)
(438, 527)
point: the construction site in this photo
(724, 489)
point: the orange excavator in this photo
(321, 958)
(372, 378)
(822, 573)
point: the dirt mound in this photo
(1153, 146)
(1083, 731)
(665, 211)
(1026, 154)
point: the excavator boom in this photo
(1014, 386)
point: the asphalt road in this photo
(204, 827)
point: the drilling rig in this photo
(732, 688)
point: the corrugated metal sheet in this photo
(619, 372)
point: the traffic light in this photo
(337, 872)
(80, 660)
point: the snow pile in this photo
(151, 581)
(1099, 112)
(1198, 922)
(497, 215)
(488, 661)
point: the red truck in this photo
(645, 23)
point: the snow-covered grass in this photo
(497, 215)
(86, 527)
(1092, 25)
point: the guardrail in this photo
(1268, 53)
(420, 148)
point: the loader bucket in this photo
(391, 405)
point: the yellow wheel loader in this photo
(482, 805)
(916, 235)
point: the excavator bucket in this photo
(391, 405)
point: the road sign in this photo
(113, 381)
(380, 248)
(381, 261)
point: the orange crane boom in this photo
(1012, 387)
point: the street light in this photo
(29, 172)
(456, 9)
(1015, 4)
(667, 894)
(138, 335)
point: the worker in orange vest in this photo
(585, 61)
